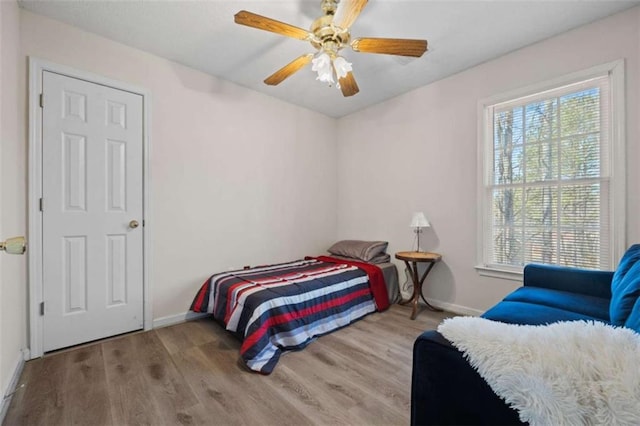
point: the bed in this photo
(282, 307)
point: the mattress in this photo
(390, 272)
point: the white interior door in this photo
(92, 176)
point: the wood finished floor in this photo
(190, 374)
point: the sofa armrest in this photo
(574, 280)
(445, 389)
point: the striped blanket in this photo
(283, 307)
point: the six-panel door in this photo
(92, 189)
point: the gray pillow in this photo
(363, 250)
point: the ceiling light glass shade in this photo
(419, 220)
(322, 65)
(330, 70)
(342, 67)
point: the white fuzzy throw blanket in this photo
(566, 373)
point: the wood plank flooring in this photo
(190, 374)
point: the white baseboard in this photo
(177, 319)
(13, 383)
(456, 309)
(450, 307)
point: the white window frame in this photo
(617, 157)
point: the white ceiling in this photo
(202, 35)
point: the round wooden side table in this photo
(411, 260)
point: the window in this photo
(553, 182)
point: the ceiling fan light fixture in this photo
(330, 68)
(322, 65)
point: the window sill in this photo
(505, 274)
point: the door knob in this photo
(134, 224)
(15, 245)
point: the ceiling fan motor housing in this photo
(327, 36)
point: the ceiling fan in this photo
(329, 34)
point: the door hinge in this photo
(41, 204)
(41, 100)
(41, 308)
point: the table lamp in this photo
(419, 221)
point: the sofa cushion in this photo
(571, 279)
(596, 307)
(625, 286)
(530, 313)
(633, 321)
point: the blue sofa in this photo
(447, 390)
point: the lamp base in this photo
(418, 231)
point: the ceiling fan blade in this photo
(263, 23)
(390, 46)
(348, 11)
(348, 85)
(286, 71)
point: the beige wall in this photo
(13, 283)
(418, 152)
(237, 177)
(3, 373)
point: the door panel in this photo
(92, 188)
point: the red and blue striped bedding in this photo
(283, 307)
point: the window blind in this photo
(548, 187)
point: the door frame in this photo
(34, 227)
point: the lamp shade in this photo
(419, 220)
